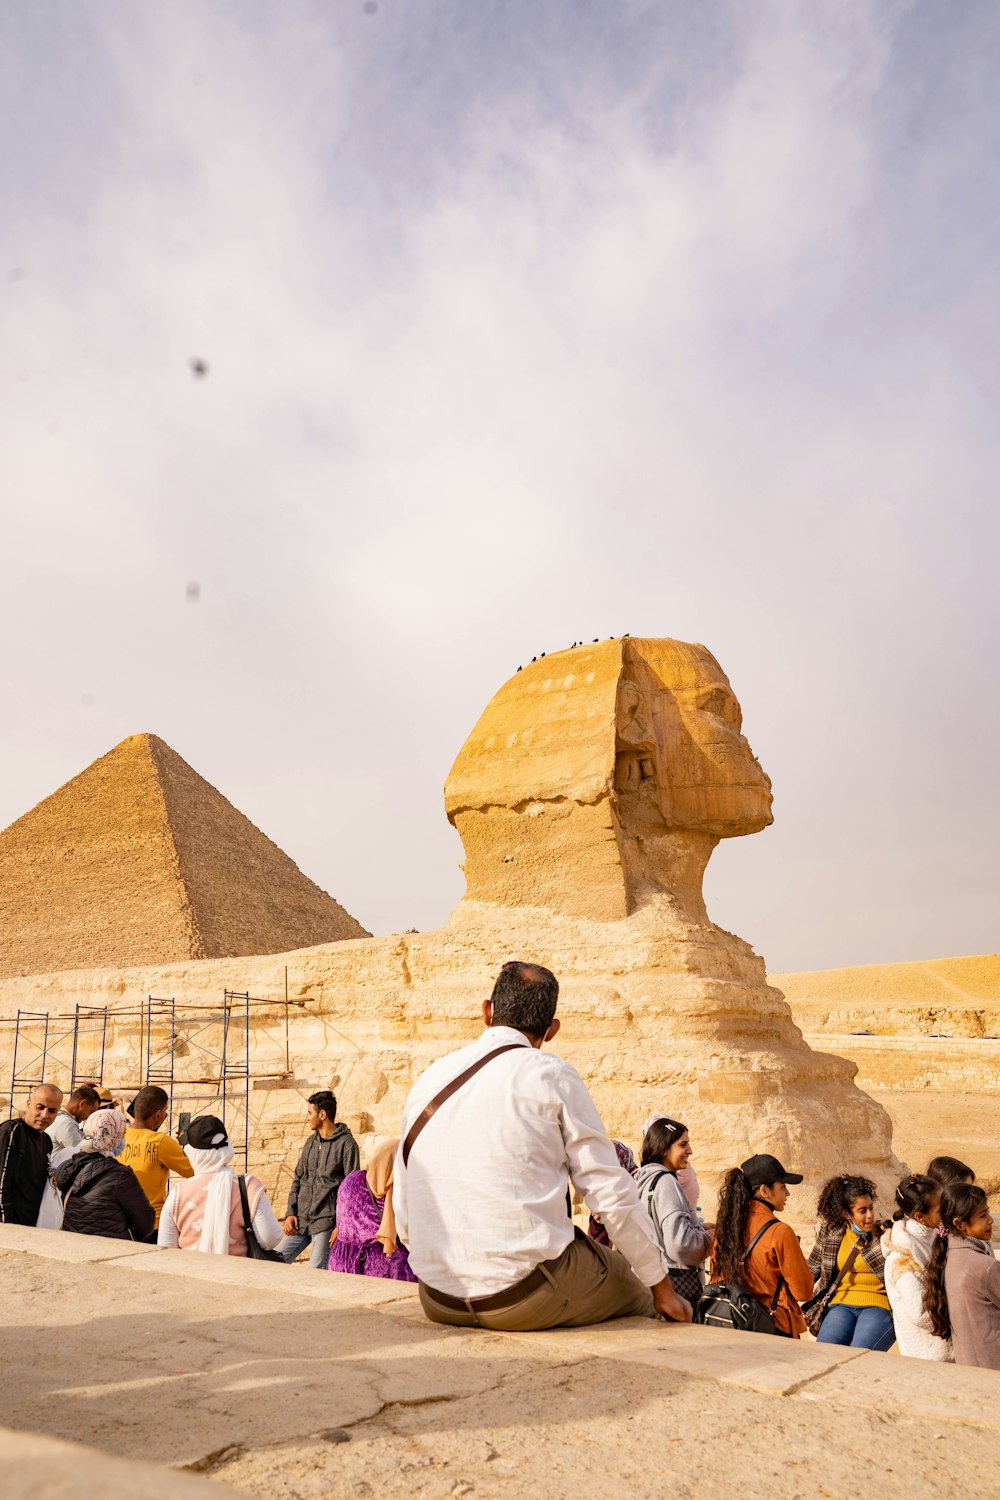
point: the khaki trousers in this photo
(587, 1284)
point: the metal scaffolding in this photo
(198, 1054)
(42, 1053)
(201, 1059)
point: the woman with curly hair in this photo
(907, 1246)
(775, 1270)
(850, 1304)
(962, 1291)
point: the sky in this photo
(523, 324)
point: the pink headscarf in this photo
(104, 1132)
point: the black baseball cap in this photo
(760, 1171)
(208, 1132)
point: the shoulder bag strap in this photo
(759, 1235)
(781, 1280)
(247, 1224)
(452, 1088)
(834, 1281)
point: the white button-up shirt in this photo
(483, 1200)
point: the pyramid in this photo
(138, 860)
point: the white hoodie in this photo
(907, 1249)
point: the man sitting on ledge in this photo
(481, 1192)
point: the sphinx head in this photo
(600, 776)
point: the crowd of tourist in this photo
(497, 1246)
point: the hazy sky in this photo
(525, 323)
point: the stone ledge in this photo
(919, 1388)
(54, 1244)
(753, 1362)
(44, 1468)
(336, 1288)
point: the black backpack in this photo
(728, 1304)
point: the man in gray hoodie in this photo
(326, 1158)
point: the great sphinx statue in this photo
(589, 798)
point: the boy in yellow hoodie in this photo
(151, 1155)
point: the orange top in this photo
(778, 1256)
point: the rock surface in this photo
(139, 860)
(590, 796)
(926, 1039)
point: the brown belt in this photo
(509, 1297)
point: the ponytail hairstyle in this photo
(838, 1193)
(959, 1201)
(915, 1195)
(730, 1223)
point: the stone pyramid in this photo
(139, 861)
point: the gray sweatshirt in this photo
(682, 1239)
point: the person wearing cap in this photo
(65, 1129)
(106, 1100)
(99, 1195)
(205, 1212)
(666, 1150)
(752, 1196)
(495, 1246)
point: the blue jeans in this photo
(860, 1327)
(292, 1246)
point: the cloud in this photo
(521, 328)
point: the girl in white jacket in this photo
(907, 1246)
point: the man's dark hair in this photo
(147, 1101)
(325, 1101)
(85, 1094)
(525, 997)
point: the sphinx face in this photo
(682, 759)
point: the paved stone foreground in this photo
(292, 1384)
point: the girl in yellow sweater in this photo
(850, 1304)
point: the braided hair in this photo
(959, 1202)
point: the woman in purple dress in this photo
(365, 1242)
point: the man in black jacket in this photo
(327, 1157)
(24, 1156)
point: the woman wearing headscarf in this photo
(205, 1212)
(366, 1243)
(596, 1228)
(99, 1194)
